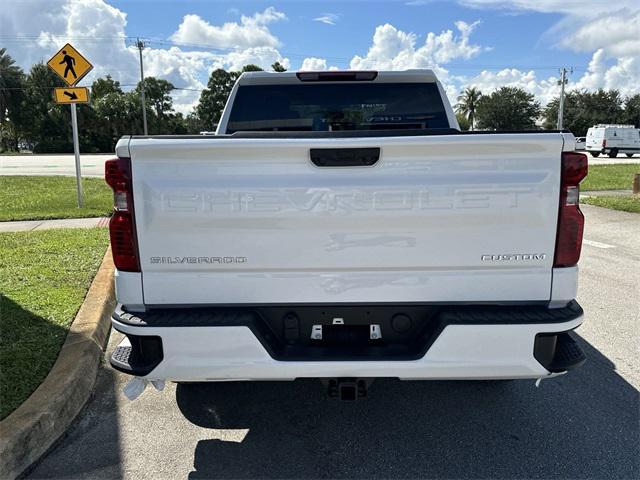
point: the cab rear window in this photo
(339, 106)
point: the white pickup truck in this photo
(340, 226)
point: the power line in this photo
(121, 84)
(223, 50)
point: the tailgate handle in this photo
(344, 157)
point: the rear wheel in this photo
(595, 154)
(613, 153)
(629, 155)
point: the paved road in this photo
(93, 165)
(90, 165)
(582, 425)
(31, 225)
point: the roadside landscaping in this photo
(625, 203)
(40, 198)
(609, 177)
(44, 277)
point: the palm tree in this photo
(468, 104)
(11, 82)
(10, 77)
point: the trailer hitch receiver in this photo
(347, 389)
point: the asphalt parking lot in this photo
(581, 425)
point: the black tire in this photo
(613, 153)
(629, 155)
(595, 154)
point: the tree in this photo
(250, 68)
(508, 108)
(11, 95)
(193, 124)
(463, 122)
(43, 122)
(157, 94)
(159, 104)
(277, 67)
(103, 86)
(583, 110)
(214, 97)
(468, 104)
(632, 110)
(117, 114)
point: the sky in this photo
(481, 43)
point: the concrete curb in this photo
(32, 428)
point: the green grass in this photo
(625, 203)
(40, 198)
(13, 153)
(609, 177)
(44, 277)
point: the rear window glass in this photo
(333, 107)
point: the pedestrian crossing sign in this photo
(69, 64)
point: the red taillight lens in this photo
(125, 255)
(121, 227)
(570, 218)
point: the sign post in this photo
(71, 66)
(76, 151)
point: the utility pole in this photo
(140, 45)
(562, 82)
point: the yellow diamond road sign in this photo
(70, 65)
(71, 95)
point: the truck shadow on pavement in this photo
(581, 425)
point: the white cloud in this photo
(446, 46)
(97, 29)
(624, 75)
(252, 31)
(617, 34)
(571, 7)
(394, 49)
(610, 31)
(328, 18)
(313, 63)
(262, 56)
(544, 89)
(269, 15)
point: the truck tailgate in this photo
(447, 218)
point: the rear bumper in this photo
(476, 346)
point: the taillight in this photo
(117, 173)
(570, 218)
(604, 143)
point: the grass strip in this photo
(44, 277)
(45, 198)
